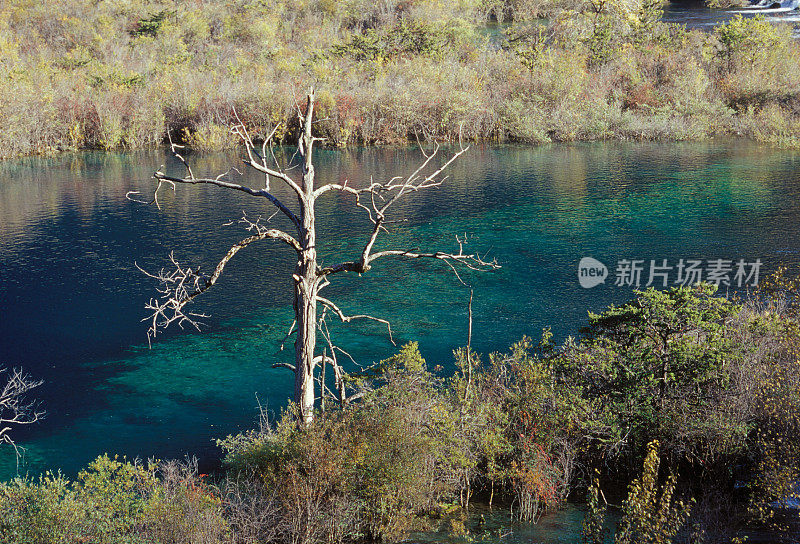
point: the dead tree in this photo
(15, 408)
(180, 285)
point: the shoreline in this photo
(489, 143)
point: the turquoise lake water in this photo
(71, 298)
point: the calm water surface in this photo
(71, 298)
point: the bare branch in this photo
(174, 148)
(129, 195)
(338, 371)
(15, 409)
(182, 285)
(413, 182)
(470, 261)
(161, 176)
(288, 334)
(261, 163)
(380, 197)
(348, 318)
(218, 181)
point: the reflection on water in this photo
(71, 298)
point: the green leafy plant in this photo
(149, 26)
(649, 514)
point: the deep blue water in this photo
(71, 298)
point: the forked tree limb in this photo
(182, 285)
(15, 408)
(381, 197)
(338, 371)
(412, 182)
(218, 181)
(348, 318)
(235, 186)
(261, 164)
(471, 261)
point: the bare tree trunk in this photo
(306, 280)
(305, 304)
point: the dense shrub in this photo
(650, 515)
(655, 363)
(111, 502)
(360, 471)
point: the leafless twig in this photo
(380, 197)
(15, 408)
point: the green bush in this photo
(652, 364)
(113, 501)
(651, 515)
(748, 38)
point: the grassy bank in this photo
(123, 73)
(690, 398)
